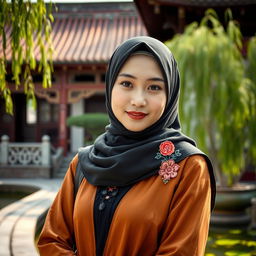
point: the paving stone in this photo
(18, 220)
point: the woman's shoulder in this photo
(82, 152)
(194, 164)
(195, 159)
(73, 164)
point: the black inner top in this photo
(105, 204)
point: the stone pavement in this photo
(18, 220)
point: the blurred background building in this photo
(84, 37)
(164, 18)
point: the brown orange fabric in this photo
(152, 218)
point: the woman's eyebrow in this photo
(127, 75)
(157, 79)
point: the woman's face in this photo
(139, 96)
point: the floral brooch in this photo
(168, 169)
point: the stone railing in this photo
(25, 153)
(28, 160)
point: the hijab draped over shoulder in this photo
(120, 157)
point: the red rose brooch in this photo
(168, 169)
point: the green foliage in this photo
(252, 59)
(30, 28)
(224, 242)
(251, 69)
(94, 123)
(215, 95)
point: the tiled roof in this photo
(90, 37)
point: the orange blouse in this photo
(152, 218)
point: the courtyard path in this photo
(18, 220)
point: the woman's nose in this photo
(138, 99)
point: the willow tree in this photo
(217, 103)
(30, 26)
(251, 69)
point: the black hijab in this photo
(120, 157)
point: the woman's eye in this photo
(126, 84)
(155, 88)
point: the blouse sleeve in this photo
(56, 237)
(186, 229)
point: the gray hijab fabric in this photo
(120, 157)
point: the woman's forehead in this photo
(139, 65)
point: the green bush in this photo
(93, 123)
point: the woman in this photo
(147, 190)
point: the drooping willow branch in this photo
(25, 26)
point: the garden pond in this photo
(231, 242)
(8, 197)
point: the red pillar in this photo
(63, 136)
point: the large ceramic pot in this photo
(232, 204)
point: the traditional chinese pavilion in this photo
(84, 37)
(165, 18)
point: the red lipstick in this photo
(136, 115)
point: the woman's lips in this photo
(136, 115)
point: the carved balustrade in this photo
(25, 154)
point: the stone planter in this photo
(232, 203)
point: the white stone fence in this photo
(30, 157)
(25, 153)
